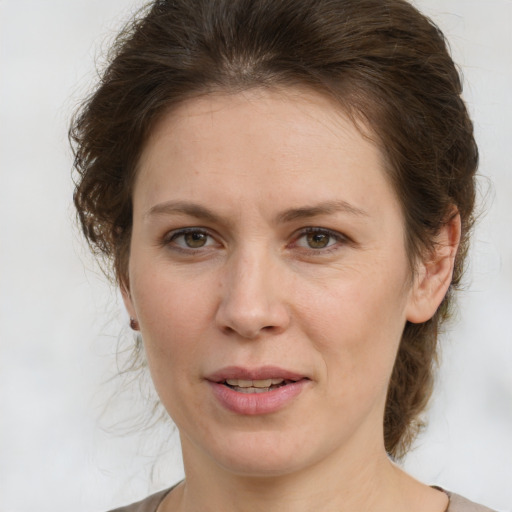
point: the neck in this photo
(342, 483)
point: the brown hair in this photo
(384, 62)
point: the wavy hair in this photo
(385, 64)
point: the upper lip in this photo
(260, 373)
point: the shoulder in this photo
(149, 504)
(461, 504)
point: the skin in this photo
(250, 174)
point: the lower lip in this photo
(252, 404)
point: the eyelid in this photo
(172, 235)
(340, 238)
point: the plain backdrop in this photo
(60, 322)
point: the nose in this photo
(252, 298)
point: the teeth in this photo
(252, 390)
(266, 383)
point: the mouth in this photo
(256, 391)
(256, 386)
(266, 379)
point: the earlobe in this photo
(434, 275)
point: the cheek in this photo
(173, 312)
(356, 325)
(173, 315)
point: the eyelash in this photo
(339, 239)
(171, 237)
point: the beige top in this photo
(150, 504)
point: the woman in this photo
(285, 191)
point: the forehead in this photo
(287, 143)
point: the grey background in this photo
(60, 322)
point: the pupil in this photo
(318, 240)
(195, 240)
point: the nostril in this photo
(247, 332)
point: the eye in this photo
(318, 239)
(190, 238)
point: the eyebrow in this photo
(325, 208)
(305, 212)
(183, 208)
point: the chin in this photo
(262, 454)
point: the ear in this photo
(434, 274)
(127, 298)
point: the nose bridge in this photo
(250, 302)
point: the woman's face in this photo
(270, 279)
